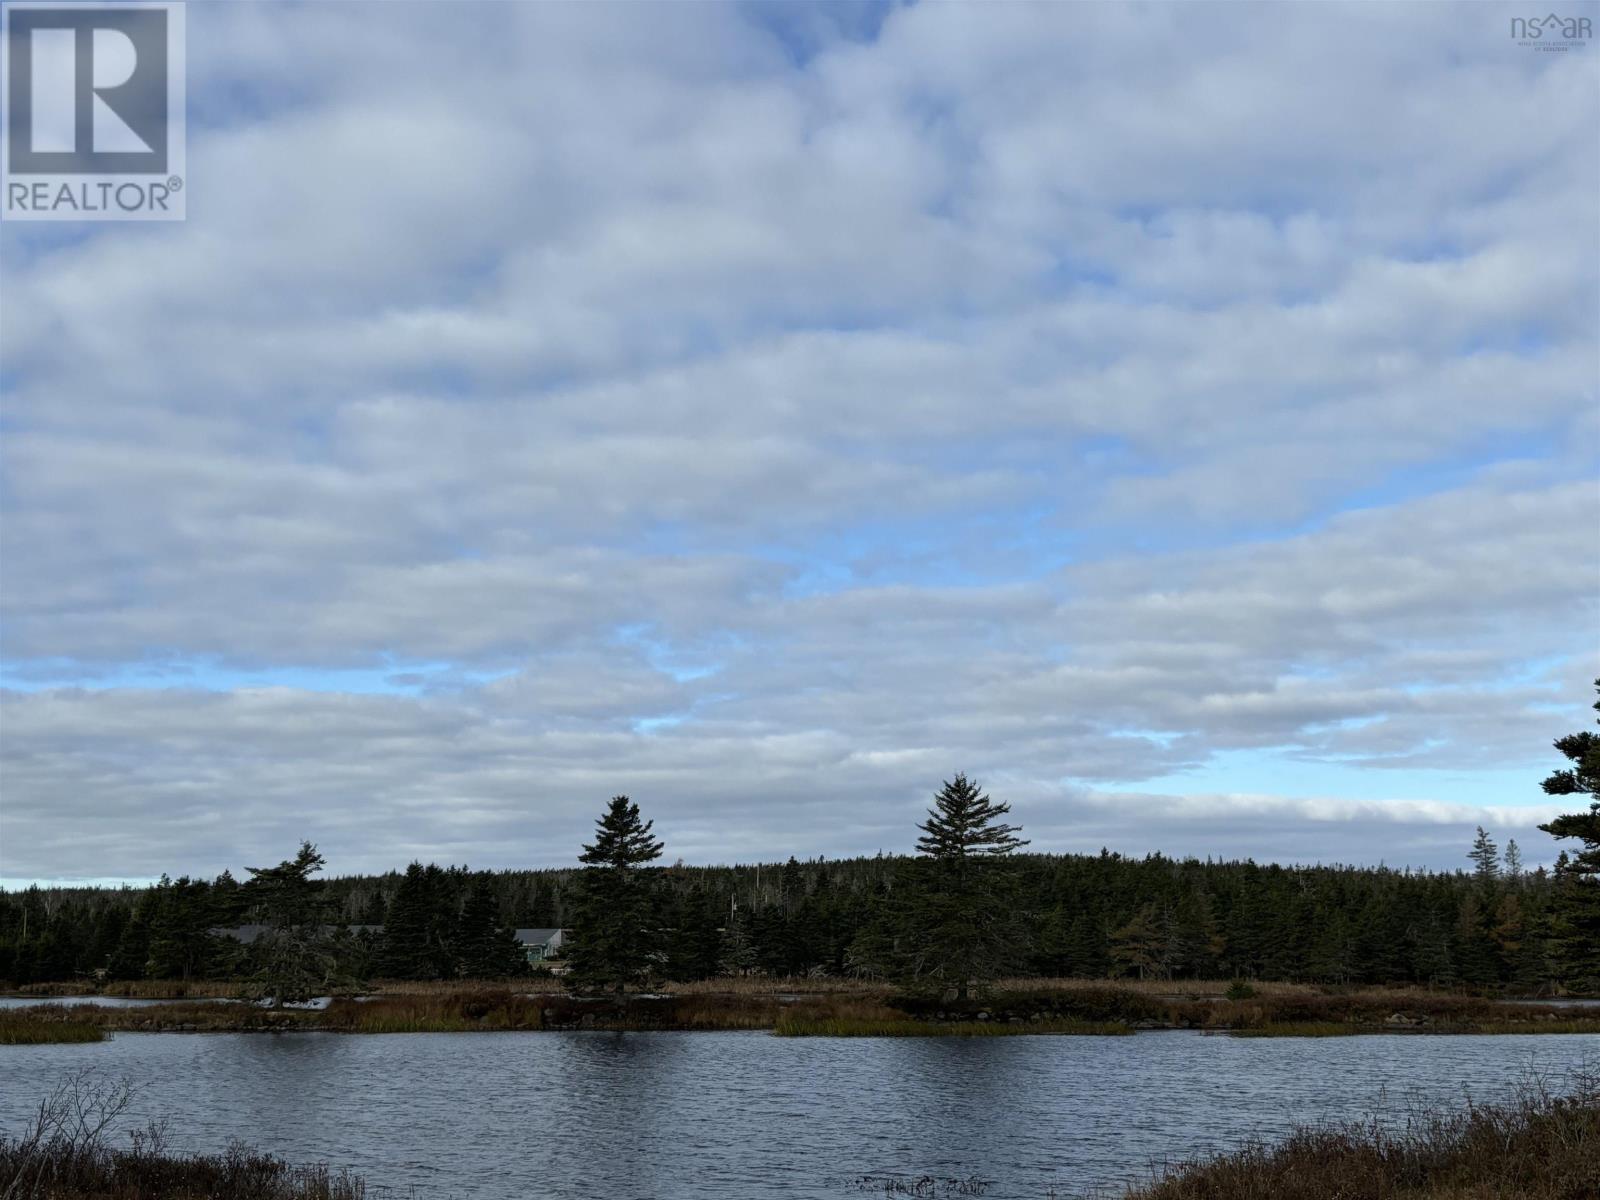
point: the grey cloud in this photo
(559, 345)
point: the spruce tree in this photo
(961, 917)
(1513, 861)
(132, 954)
(964, 824)
(181, 942)
(487, 948)
(738, 955)
(617, 930)
(1136, 946)
(1485, 856)
(295, 957)
(1575, 913)
(404, 953)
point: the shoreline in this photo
(1087, 1009)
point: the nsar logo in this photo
(1551, 32)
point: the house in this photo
(541, 944)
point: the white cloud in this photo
(1070, 394)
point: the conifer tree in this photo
(1485, 856)
(1513, 861)
(738, 946)
(1136, 946)
(961, 920)
(617, 929)
(1575, 916)
(404, 951)
(486, 948)
(1087, 947)
(295, 957)
(133, 948)
(181, 942)
(965, 824)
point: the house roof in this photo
(536, 937)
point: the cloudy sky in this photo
(1183, 418)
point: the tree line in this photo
(969, 905)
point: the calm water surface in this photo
(668, 1115)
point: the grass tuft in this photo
(23, 1032)
(1539, 1146)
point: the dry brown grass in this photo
(21, 1031)
(538, 985)
(143, 989)
(780, 985)
(1541, 1146)
(1178, 988)
(758, 1004)
(66, 1154)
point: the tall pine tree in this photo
(961, 919)
(1575, 919)
(617, 933)
(487, 949)
(1485, 856)
(295, 957)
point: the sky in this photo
(1182, 418)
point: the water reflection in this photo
(744, 1114)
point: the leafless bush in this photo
(67, 1152)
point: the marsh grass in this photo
(1542, 1145)
(25, 1032)
(1085, 1006)
(66, 1154)
(1573, 1025)
(1336, 1029)
(139, 989)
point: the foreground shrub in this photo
(66, 1155)
(1539, 1146)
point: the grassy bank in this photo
(859, 1011)
(24, 1031)
(1538, 1147)
(139, 989)
(1298, 1012)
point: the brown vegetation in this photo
(143, 989)
(65, 1154)
(24, 1031)
(1055, 1006)
(1285, 1012)
(1539, 1147)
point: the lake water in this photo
(616, 1116)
